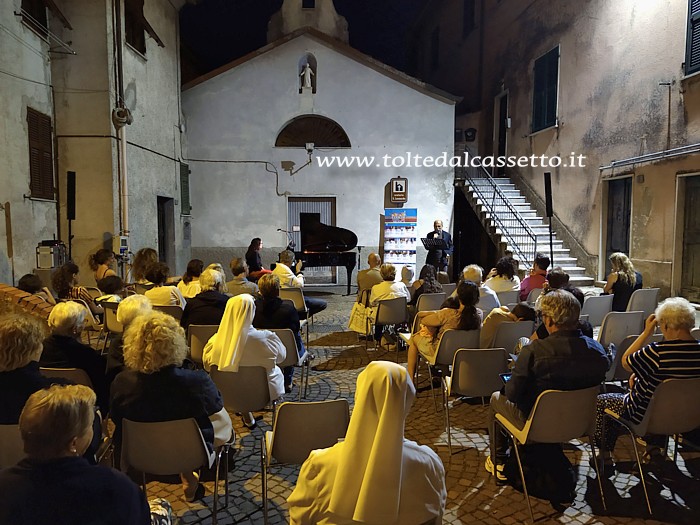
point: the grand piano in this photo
(324, 245)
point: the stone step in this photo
(579, 280)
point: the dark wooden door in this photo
(690, 279)
(166, 231)
(502, 130)
(619, 213)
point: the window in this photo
(40, 155)
(34, 15)
(185, 204)
(308, 4)
(544, 97)
(435, 48)
(468, 18)
(692, 50)
(135, 24)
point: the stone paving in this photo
(473, 496)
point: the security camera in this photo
(309, 147)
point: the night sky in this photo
(215, 32)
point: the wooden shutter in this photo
(41, 184)
(544, 97)
(692, 50)
(185, 204)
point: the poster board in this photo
(400, 237)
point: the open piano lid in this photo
(319, 237)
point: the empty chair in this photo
(511, 296)
(244, 391)
(533, 295)
(618, 325)
(170, 447)
(174, 310)
(11, 445)
(475, 373)
(645, 300)
(557, 417)
(448, 288)
(430, 301)
(292, 357)
(616, 372)
(390, 312)
(77, 376)
(671, 411)
(111, 325)
(300, 428)
(140, 288)
(197, 337)
(596, 308)
(508, 333)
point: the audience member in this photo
(289, 280)
(273, 312)
(556, 279)
(208, 306)
(189, 284)
(253, 259)
(367, 278)
(63, 349)
(407, 274)
(521, 312)
(65, 283)
(677, 356)
(161, 295)
(488, 300)
(567, 360)
(101, 264)
(112, 287)
(389, 288)
(54, 484)
(434, 324)
(536, 277)
(504, 278)
(375, 475)
(237, 343)
(155, 387)
(584, 326)
(240, 283)
(622, 281)
(428, 283)
(128, 310)
(144, 258)
(32, 284)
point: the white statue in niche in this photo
(306, 75)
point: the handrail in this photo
(509, 221)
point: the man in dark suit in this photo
(439, 257)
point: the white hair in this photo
(132, 307)
(676, 312)
(66, 317)
(211, 280)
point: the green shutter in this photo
(185, 205)
(544, 96)
(692, 50)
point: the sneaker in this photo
(500, 476)
(288, 387)
(249, 420)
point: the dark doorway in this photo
(472, 243)
(690, 280)
(619, 213)
(166, 231)
(502, 129)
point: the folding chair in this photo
(198, 336)
(618, 325)
(111, 325)
(616, 372)
(11, 446)
(533, 295)
(671, 411)
(430, 301)
(300, 428)
(293, 359)
(508, 333)
(557, 417)
(511, 296)
(448, 288)
(244, 391)
(94, 292)
(390, 312)
(170, 447)
(174, 310)
(77, 376)
(141, 289)
(92, 325)
(296, 296)
(487, 303)
(645, 299)
(475, 373)
(596, 308)
(695, 332)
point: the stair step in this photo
(580, 280)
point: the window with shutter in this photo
(544, 96)
(692, 49)
(186, 207)
(41, 184)
(34, 15)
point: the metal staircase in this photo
(512, 221)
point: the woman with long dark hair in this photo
(434, 324)
(254, 261)
(101, 264)
(65, 284)
(189, 285)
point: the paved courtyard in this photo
(473, 497)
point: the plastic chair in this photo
(92, 324)
(512, 296)
(111, 325)
(448, 288)
(244, 391)
(296, 296)
(618, 325)
(94, 292)
(292, 358)
(475, 373)
(487, 303)
(533, 295)
(174, 310)
(170, 447)
(645, 299)
(390, 312)
(141, 289)
(300, 428)
(596, 308)
(508, 333)
(11, 446)
(198, 336)
(557, 417)
(430, 301)
(77, 376)
(616, 372)
(695, 332)
(672, 411)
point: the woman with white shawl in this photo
(237, 344)
(375, 476)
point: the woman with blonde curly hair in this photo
(622, 281)
(155, 387)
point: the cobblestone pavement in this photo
(473, 496)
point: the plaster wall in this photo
(237, 115)
(24, 82)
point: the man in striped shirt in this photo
(676, 357)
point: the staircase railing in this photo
(520, 236)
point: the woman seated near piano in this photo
(254, 261)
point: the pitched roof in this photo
(344, 50)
